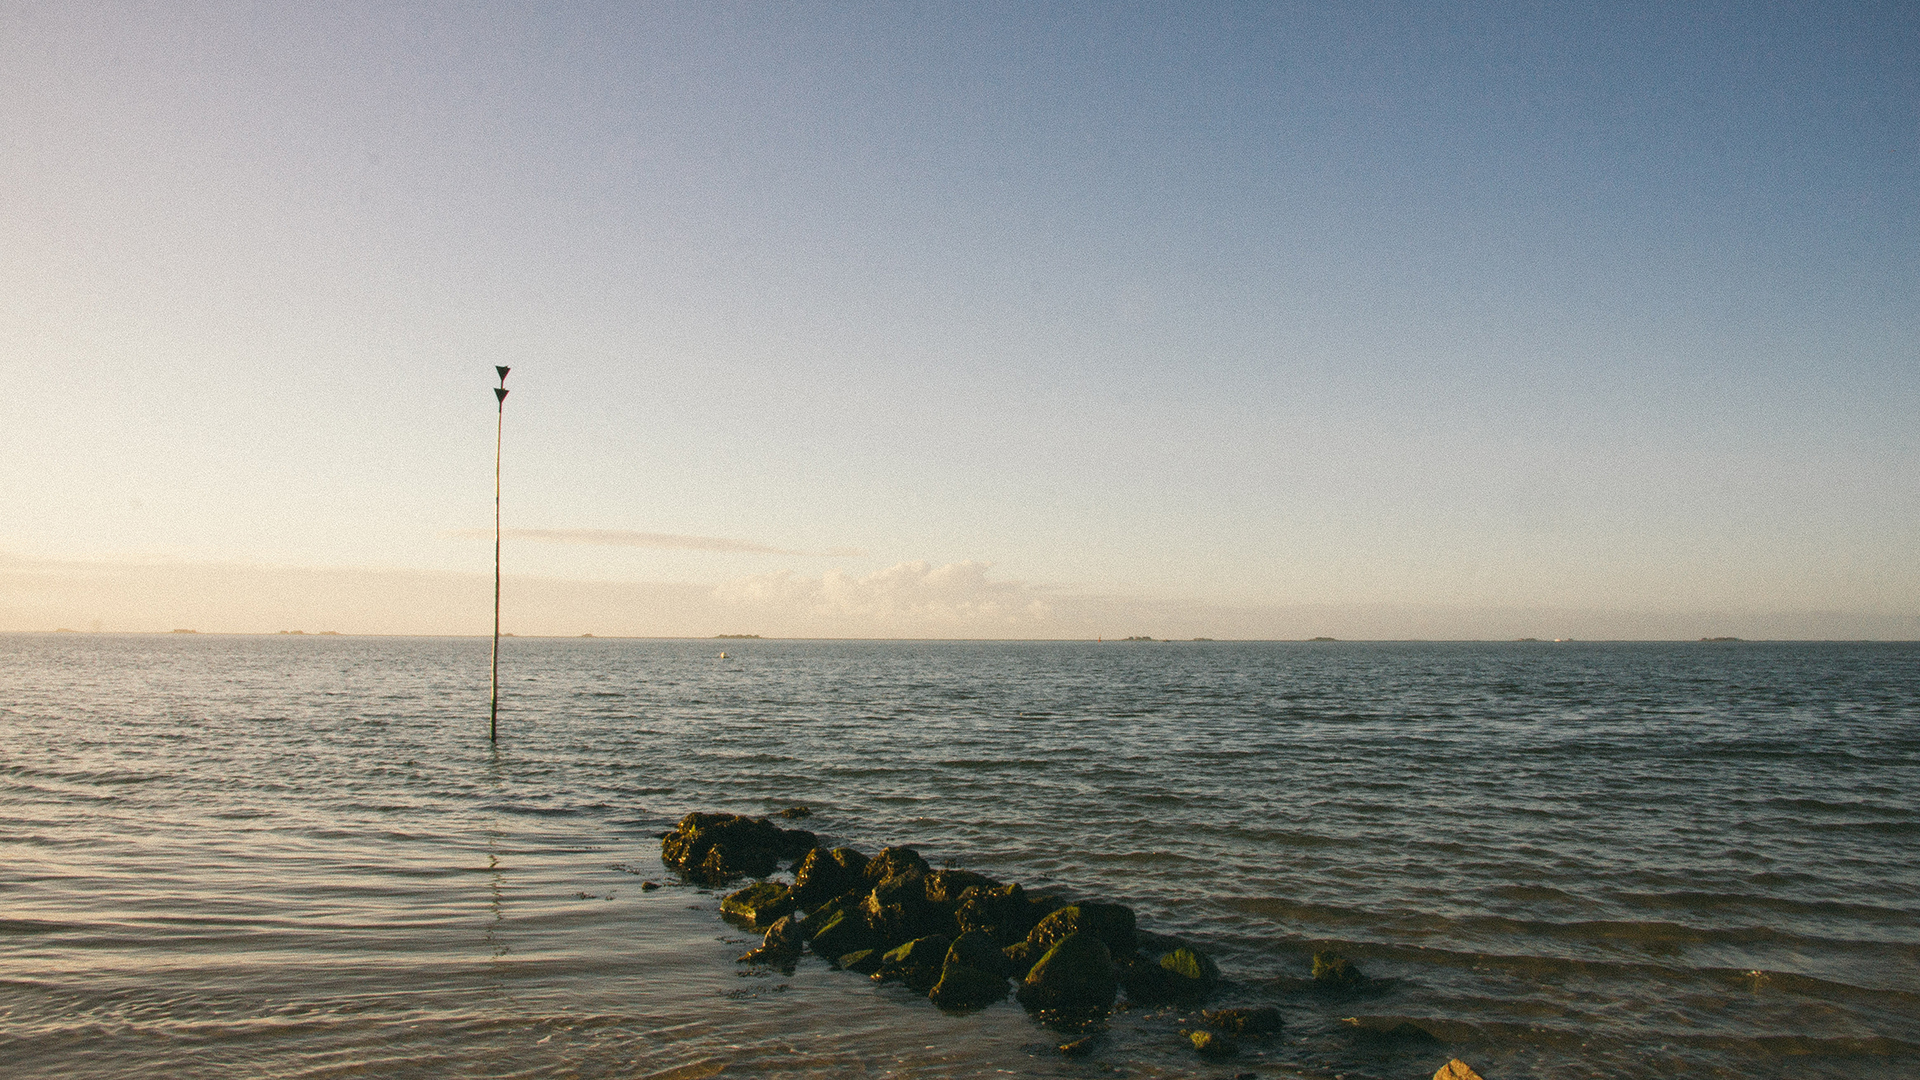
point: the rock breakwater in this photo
(962, 938)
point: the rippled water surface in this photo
(231, 856)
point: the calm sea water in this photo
(299, 857)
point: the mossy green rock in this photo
(823, 874)
(758, 904)
(892, 862)
(976, 950)
(963, 987)
(713, 849)
(1113, 924)
(918, 963)
(843, 932)
(1192, 973)
(1076, 974)
(1005, 912)
(947, 886)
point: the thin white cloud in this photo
(661, 541)
(908, 598)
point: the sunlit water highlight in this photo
(299, 857)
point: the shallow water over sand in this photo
(299, 856)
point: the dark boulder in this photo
(964, 987)
(823, 874)
(713, 849)
(1075, 975)
(947, 886)
(976, 950)
(898, 909)
(1004, 912)
(918, 963)
(1113, 924)
(758, 905)
(842, 932)
(892, 862)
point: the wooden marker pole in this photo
(500, 424)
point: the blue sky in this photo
(964, 320)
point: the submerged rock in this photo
(1075, 975)
(1332, 971)
(1259, 1020)
(1389, 1029)
(781, 946)
(1212, 1044)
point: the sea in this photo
(301, 856)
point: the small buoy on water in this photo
(723, 656)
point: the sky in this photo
(971, 320)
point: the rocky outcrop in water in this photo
(960, 937)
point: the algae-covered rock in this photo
(1004, 912)
(975, 949)
(713, 849)
(1113, 924)
(918, 963)
(1212, 1044)
(899, 910)
(1076, 974)
(758, 904)
(780, 946)
(947, 886)
(892, 862)
(823, 874)
(1193, 973)
(1257, 1020)
(964, 987)
(1331, 971)
(843, 932)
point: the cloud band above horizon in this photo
(658, 541)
